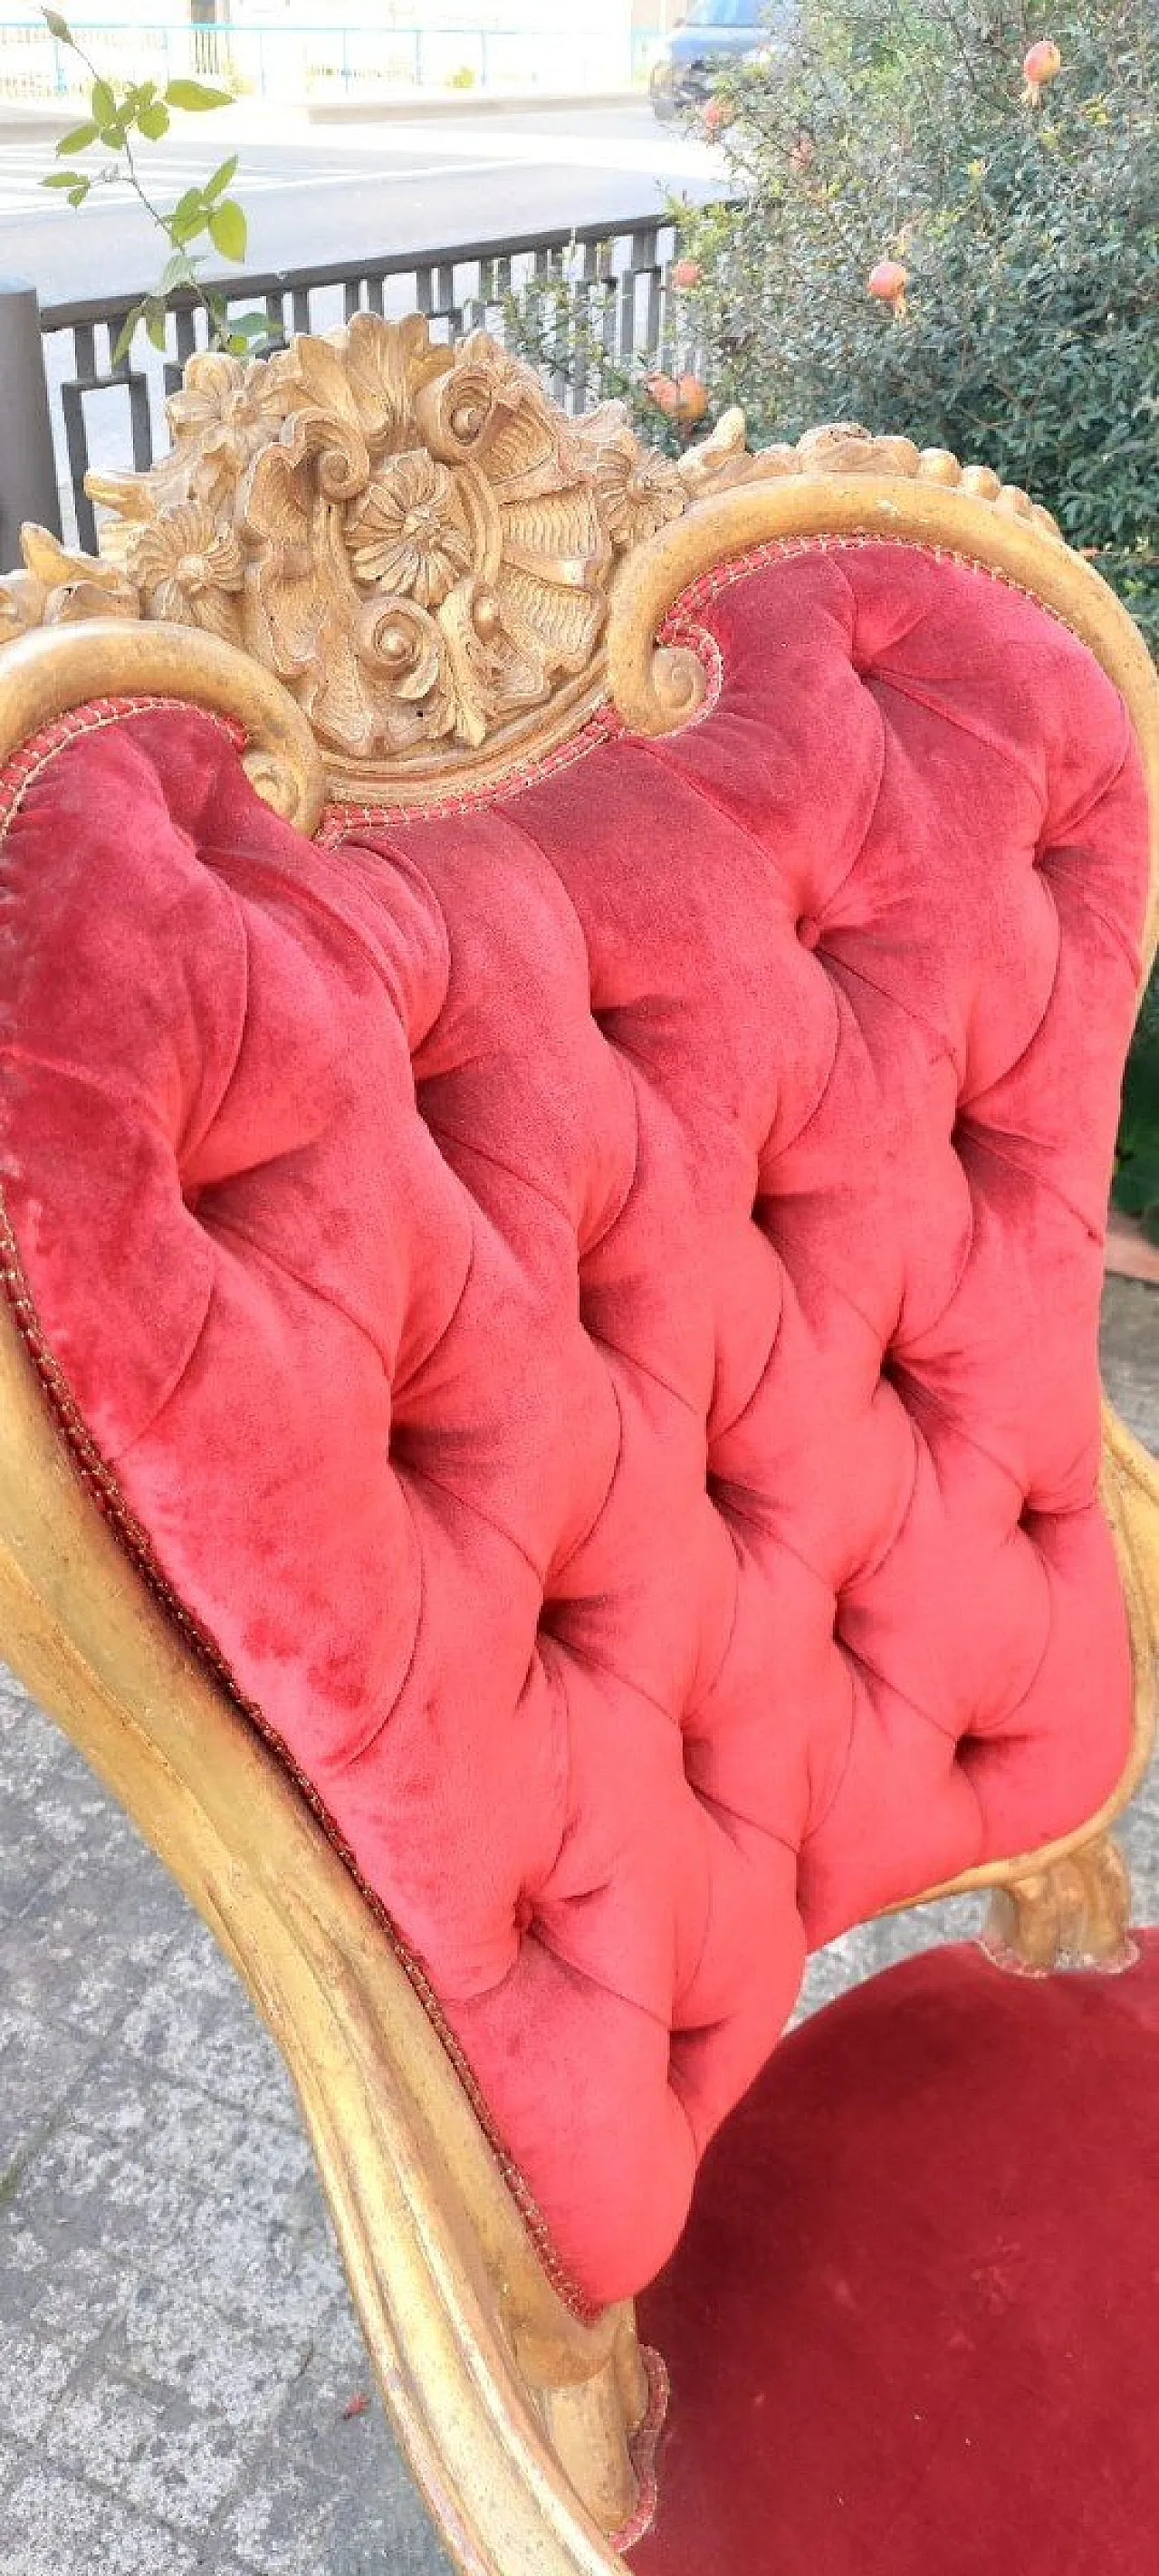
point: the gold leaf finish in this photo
(411, 538)
(43, 675)
(417, 543)
(409, 576)
(1076, 1914)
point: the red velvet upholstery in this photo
(913, 2325)
(593, 1302)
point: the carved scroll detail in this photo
(412, 538)
(843, 447)
(1073, 1914)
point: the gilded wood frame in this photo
(519, 2419)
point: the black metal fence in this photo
(110, 413)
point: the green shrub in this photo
(1136, 1188)
(1028, 338)
(1028, 334)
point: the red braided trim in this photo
(343, 822)
(25, 764)
(644, 2445)
(102, 1485)
(721, 576)
(347, 821)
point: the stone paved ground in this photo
(177, 2348)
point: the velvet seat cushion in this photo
(590, 1303)
(913, 2323)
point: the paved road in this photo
(319, 194)
(325, 193)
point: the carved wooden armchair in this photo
(562, 1019)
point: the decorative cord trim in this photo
(105, 1491)
(32, 756)
(772, 550)
(343, 821)
(644, 2446)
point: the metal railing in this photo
(323, 61)
(111, 414)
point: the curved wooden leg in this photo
(1075, 1914)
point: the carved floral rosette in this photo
(413, 538)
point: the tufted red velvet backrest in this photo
(592, 1305)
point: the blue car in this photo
(715, 35)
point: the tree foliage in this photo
(1026, 333)
(1137, 1162)
(1027, 337)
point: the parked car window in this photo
(725, 13)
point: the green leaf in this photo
(228, 230)
(77, 195)
(125, 334)
(155, 322)
(57, 26)
(153, 120)
(192, 203)
(247, 327)
(177, 271)
(64, 179)
(104, 105)
(183, 228)
(78, 139)
(195, 97)
(221, 177)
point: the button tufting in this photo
(666, 1684)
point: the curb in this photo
(488, 102)
(39, 117)
(19, 119)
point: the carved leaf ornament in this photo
(413, 538)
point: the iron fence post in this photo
(28, 486)
(625, 259)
